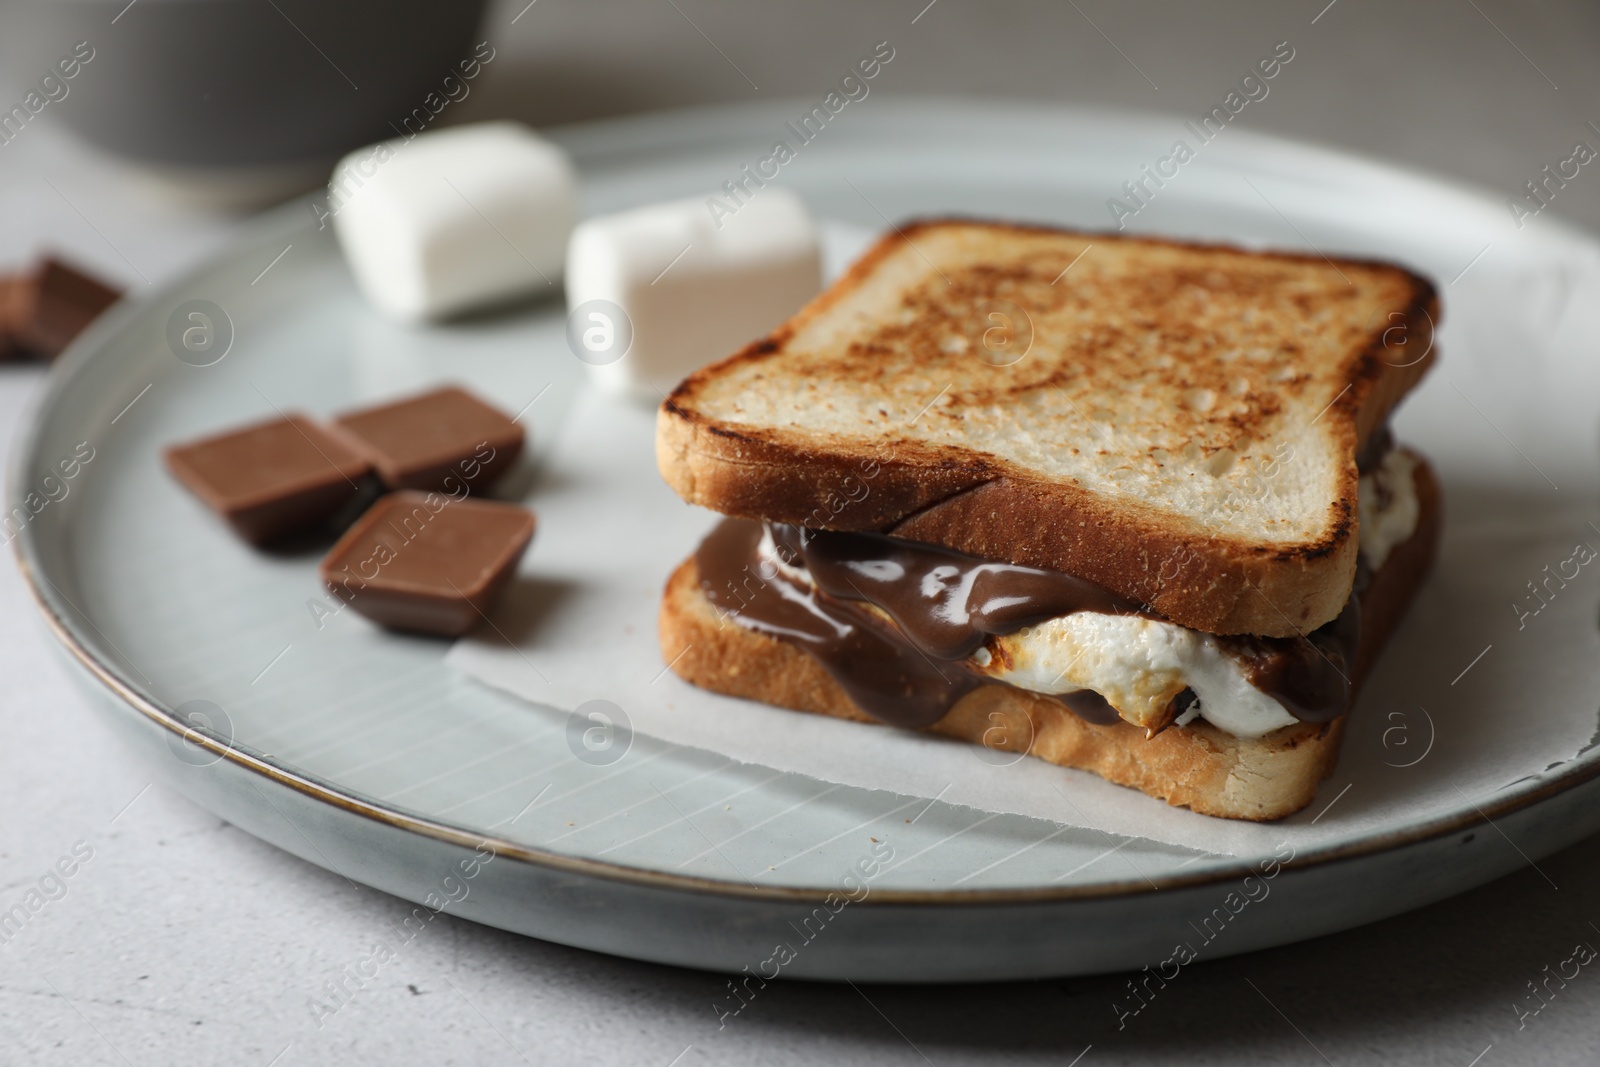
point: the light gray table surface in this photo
(183, 940)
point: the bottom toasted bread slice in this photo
(1196, 766)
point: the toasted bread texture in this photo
(1179, 423)
(1195, 766)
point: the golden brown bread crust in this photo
(987, 506)
(1195, 766)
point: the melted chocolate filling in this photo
(945, 604)
(889, 679)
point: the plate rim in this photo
(92, 347)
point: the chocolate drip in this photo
(889, 680)
(946, 603)
(910, 668)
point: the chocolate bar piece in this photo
(10, 343)
(273, 478)
(427, 562)
(441, 440)
(52, 305)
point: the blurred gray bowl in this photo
(220, 85)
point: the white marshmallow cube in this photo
(455, 218)
(694, 287)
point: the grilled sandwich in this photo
(1127, 505)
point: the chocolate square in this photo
(426, 562)
(441, 440)
(53, 304)
(10, 319)
(271, 479)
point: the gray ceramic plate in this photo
(360, 751)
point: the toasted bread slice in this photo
(1180, 423)
(1195, 766)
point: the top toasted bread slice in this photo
(1177, 422)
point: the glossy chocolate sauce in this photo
(944, 605)
(888, 679)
